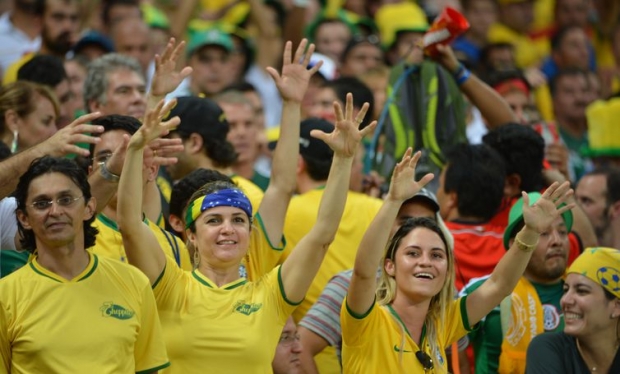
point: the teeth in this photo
(572, 316)
(227, 242)
(425, 275)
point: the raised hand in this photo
(65, 140)
(293, 82)
(153, 128)
(446, 57)
(403, 184)
(166, 77)
(542, 213)
(346, 135)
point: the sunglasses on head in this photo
(425, 360)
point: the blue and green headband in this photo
(226, 197)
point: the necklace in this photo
(593, 368)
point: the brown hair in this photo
(21, 96)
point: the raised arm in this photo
(142, 248)
(62, 143)
(538, 218)
(361, 294)
(292, 84)
(301, 266)
(492, 106)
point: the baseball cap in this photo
(200, 115)
(515, 217)
(425, 195)
(212, 36)
(94, 38)
(312, 147)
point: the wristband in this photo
(107, 174)
(523, 246)
(464, 77)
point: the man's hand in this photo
(293, 82)
(166, 77)
(345, 138)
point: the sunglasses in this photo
(425, 360)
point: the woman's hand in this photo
(153, 128)
(293, 82)
(540, 216)
(403, 184)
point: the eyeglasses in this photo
(64, 201)
(425, 360)
(288, 339)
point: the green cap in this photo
(213, 36)
(516, 216)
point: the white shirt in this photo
(8, 223)
(14, 43)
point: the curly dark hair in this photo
(48, 165)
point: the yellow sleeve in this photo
(168, 288)
(456, 324)
(150, 350)
(5, 345)
(263, 255)
(357, 328)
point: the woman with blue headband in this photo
(214, 320)
(591, 307)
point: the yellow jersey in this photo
(373, 343)
(103, 321)
(110, 242)
(359, 211)
(230, 329)
(252, 191)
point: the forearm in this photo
(13, 167)
(259, 15)
(492, 106)
(102, 190)
(582, 225)
(512, 265)
(151, 205)
(130, 189)
(284, 163)
(333, 201)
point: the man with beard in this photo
(60, 25)
(533, 308)
(20, 32)
(598, 194)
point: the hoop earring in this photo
(14, 142)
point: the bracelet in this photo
(464, 77)
(523, 246)
(107, 174)
(461, 75)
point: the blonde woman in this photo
(406, 325)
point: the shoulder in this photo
(121, 272)
(545, 344)
(247, 186)
(369, 202)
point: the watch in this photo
(107, 174)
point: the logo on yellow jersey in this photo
(246, 309)
(110, 309)
(399, 350)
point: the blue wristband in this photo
(463, 77)
(458, 71)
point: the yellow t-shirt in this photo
(262, 256)
(528, 52)
(110, 242)
(230, 329)
(252, 191)
(103, 321)
(372, 343)
(359, 211)
(10, 75)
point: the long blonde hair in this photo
(386, 288)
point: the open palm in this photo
(292, 83)
(542, 213)
(166, 78)
(403, 184)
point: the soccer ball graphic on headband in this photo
(609, 278)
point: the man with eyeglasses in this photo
(287, 359)
(69, 310)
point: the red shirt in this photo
(478, 247)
